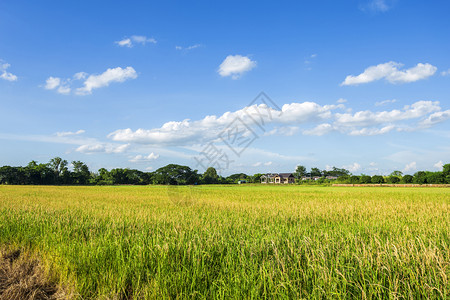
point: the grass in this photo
(235, 241)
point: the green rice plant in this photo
(249, 241)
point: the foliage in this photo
(300, 171)
(377, 179)
(174, 174)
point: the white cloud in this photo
(91, 82)
(70, 133)
(143, 158)
(372, 131)
(102, 148)
(235, 66)
(110, 75)
(418, 115)
(283, 130)
(369, 118)
(439, 165)
(80, 75)
(342, 100)
(5, 75)
(319, 130)
(391, 73)
(62, 87)
(435, 118)
(445, 73)
(385, 102)
(135, 39)
(125, 43)
(257, 164)
(189, 132)
(52, 83)
(269, 163)
(353, 167)
(410, 167)
(189, 47)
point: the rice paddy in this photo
(234, 241)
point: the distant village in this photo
(286, 178)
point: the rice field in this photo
(247, 241)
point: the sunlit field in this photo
(234, 241)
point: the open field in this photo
(234, 241)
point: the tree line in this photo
(57, 172)
(344, 176)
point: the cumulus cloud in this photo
(55, 83)
(70, 133)
(435, 118)
(353, 167)
(412, 166)
(319, 130)
(135, 39)
(325, 119)
(369, 118)
(110, 75)
(91, 82)
(52, 83)
(144, 158)
(189, 132)
(390, 72)
(235, 66)
(4, 74)
(439, 165)
(445, 73)
(102, 148)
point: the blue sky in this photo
(360, 84)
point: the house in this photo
(268, 178)
(280, 178)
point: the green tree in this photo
(420, 177)
(81, 174)
(58, 165)
(377, 179)
(435, 177)
(300, 171)
(315, 172)
(446, 170)
(397, 174)
(354, 179)
(365, 179)
(210, 176)
(407, 179)
(393, 179)
(174, 174)
(256, 178)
